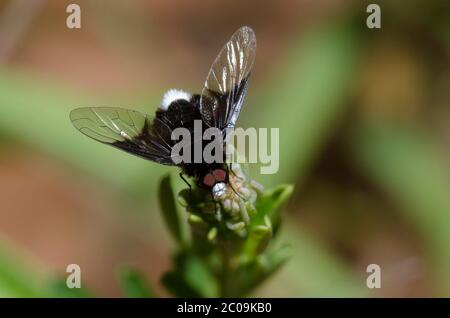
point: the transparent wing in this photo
(127, 130)
(226, 84)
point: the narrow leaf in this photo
(257, 241)
(270, 204)
(169, 209)
(197, 275)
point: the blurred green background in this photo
(364, 118)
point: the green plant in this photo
(226, 254)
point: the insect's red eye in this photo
(209, 180)
(219, 175)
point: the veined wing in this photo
(227, 81)
(127, 130)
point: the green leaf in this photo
(251, 274)
(177, 286)
(169, 209)
(197, 275)
(274, 259)
(270, 203)
(200, 243)
(257, 241)
(190, 278)
(134, 284)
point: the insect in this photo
(218, 105)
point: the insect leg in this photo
(230, 169)
(231, 185)
(237, 193)
(185, 181)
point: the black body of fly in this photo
(218, 105)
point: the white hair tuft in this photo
(173, 95)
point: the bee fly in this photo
(218, 105)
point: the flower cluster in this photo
(233, 206)
(229, 251)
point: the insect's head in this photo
(216, 181)
(237, 194)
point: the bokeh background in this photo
(364, 118)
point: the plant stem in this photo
(225, 278)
